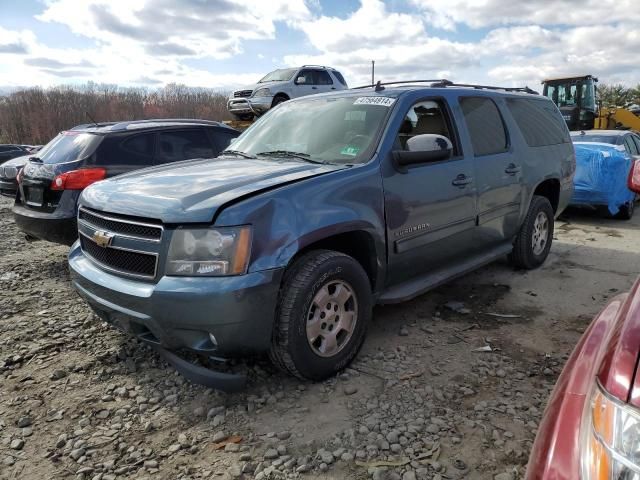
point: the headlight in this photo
(262, 92)
(210, 252)
(610, 439)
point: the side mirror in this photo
(425, 148)
(300, 80)
(634, 177)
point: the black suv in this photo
(9, 151)
(51, 182)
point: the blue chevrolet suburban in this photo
(324, 207)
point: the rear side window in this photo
(69, 146)
(340, 78)
(539, 122)
(183, 145)
(323, 78)
(485, 125)
(222, 138)
(636, 139)
(630, 145)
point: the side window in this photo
(630, 145)
(139, 149)
(323, 77)
(221, 138)
(340, 78)
(539, 122)
(636, 139)
(428, 116)
(184, 145)
(485, 125)
(307, 75)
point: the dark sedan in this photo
(8, 175)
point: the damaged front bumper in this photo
(249, 106)
(211, 316)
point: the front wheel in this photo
(324, 307)
(533, 242)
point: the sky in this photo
(223, 44)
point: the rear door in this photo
(184, 144)
(430, 208)
(323, 81)
(498, 171)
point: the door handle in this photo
(314, 88)
(512, 169)
(461, 181)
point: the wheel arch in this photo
(550, 189)
(359, 244)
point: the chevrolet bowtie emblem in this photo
(103, 239)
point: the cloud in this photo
(56, 64)
(15, 47)
(490, 13)
(162, 49)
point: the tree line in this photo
(35, 115)
(617, 95)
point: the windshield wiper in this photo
(289, 154)
(238, 152)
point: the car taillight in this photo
(78, 179)
(634, 177)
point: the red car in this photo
(591, 427)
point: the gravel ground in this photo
(450, 385)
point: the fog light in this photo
(213, 340)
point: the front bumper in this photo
(182, 312)
(250, 105)
(8, 187)
(57, 227)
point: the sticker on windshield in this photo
(384, 101)
(350, 150)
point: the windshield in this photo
(331, 130)
(282, 75)
(612, 139)
(572, 93)
(68, 146)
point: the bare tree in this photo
(35, 115)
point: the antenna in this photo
(91, 118)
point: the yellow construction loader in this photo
(577, 99)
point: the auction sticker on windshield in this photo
(384, 101)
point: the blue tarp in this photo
(602, 171)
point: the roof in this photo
(599, 132)
(569, 78)
(151, 124)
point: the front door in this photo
(430, 208)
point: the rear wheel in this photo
(324, 307)
(533, 242)
(626, 211)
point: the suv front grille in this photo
(122, 261)
(242, 93)
(144, 231)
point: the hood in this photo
(192, 191)
(256, 86)
(18, 161)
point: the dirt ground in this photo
(80, 400)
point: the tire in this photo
(626, 211)
(528, 251)
(306, 284)
(245, 117)
(278, 100)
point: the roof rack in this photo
(442, 83)
(315, 66)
